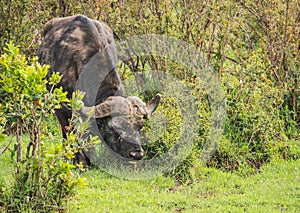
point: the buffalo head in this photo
(120, 119)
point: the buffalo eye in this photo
(139, 110)
(136, 108)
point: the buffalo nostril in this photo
(137, 155)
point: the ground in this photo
(275, 189)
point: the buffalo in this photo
(83, 51)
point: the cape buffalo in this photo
(84, 52)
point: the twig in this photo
(9, 143)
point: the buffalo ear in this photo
(153, 104)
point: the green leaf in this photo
(54, 78)
(2, 138)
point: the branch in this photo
(230, 59)
(9, 143)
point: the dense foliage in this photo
(253, 46)
(44, 173)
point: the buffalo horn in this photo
(100, 111)
(153, 104)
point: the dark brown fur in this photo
(77, 44)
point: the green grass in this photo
(275, 189)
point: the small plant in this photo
(45, 176)
(166, 129)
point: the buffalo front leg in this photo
(64, 115)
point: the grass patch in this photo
(275, 189)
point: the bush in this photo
(166, 128)
(45, 177)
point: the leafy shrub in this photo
(165, 128)
(45, 176)
(254, 127)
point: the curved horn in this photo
(116, 105)
(101, 110)
(153, 104)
